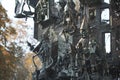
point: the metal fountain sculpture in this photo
(20, 8)
(62, 59)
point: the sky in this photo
(10, 6)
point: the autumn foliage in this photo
(11, 67)
(7, 64)
(6, 30)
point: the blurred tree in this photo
(28, 62)
(7, 64)
(6, 31)
(11, 66)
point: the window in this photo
(105, 16)
(56, 1)
(108, 42)
(107, 1)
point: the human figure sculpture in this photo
(69, 18)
